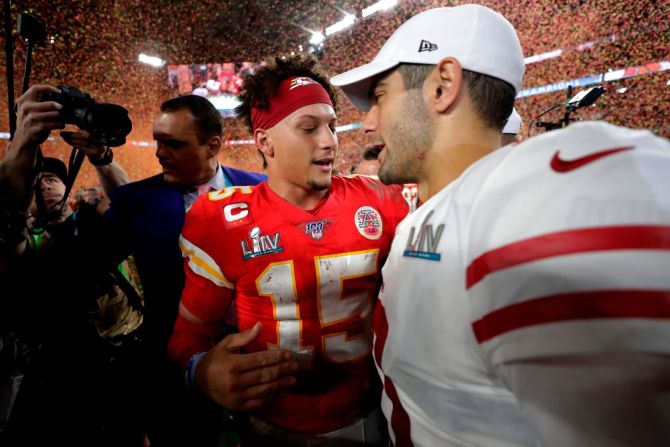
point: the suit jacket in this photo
(145, 219)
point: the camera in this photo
(108, 124)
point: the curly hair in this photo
(258, 88)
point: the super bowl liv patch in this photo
(260, 244)
(424, 245)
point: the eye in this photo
(376, 97)
(172, 144)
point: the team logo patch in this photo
(236, 214)
(368, 222)
(300, 81)
(424, 245)
(260, 244)
(316, 229)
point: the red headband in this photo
(292, 94)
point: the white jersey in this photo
(528, 302)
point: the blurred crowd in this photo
(594, 36)
(115, 229)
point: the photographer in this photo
(145, 219)
(75, 384)
(34, 122)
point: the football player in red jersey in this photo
(300, 257)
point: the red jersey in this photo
(311, 278)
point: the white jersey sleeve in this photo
(568, 280)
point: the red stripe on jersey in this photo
(399, 418)
(598, 304)
(566, 243)
(381, 329)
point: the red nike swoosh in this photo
(559, 165)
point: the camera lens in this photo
(108, 123)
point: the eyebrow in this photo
(164, 137)
(315, 117)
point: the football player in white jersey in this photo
(527, 301)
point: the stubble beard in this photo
(410, 138)
(319, 186)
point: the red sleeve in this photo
(206, 295)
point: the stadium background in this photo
(94, 45)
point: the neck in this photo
(454, 150)
(303, 198)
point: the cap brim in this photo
(355, 83)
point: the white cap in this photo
(482, 40)
(513, 123)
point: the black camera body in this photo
(109, 124)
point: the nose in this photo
(328, 138)
(371, 120)
(160, 150)
(44, 184)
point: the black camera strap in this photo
(41, 220)
(76, 160)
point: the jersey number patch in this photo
(277, 282)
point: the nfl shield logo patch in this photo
(315, 229)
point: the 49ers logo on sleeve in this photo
(236, 214)
(368, 222)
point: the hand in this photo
(34, 119)
(83, 141)
(244, 381)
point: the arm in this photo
(34, 122)
(110, 175)
(569, 285)
(233, 379)
(595, 399)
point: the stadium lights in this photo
(316, 38)
(379, 6)
(542, 56)
(151, 60)
(346, 22)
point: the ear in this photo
(213, 147)
(263, 142)
(445, 84)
